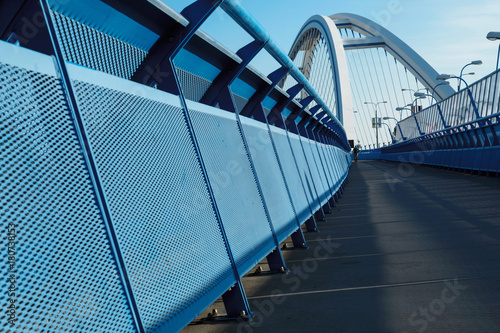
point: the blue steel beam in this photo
(282, 104)
(157, 68)
(23, 22)
(304, 103)
(247, 22)
(228, 75)
(261, 93)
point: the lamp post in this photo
(493, 36)
(401, 108)
(390, 132)
(413, 90)
(376, 118)
(442, 83)
(443, 77)
(399, 126)
(415, 114)
(474, 62)
(417, 94)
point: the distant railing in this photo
(479, 100)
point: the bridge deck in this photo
(408, 249)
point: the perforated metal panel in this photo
(234, 186)
(66, 279)
(91, 48)
(330, 166)
(340, 170)
(293, 178)
(169, 236)
(240, 102)
(309, 184)
(319, 179)
(193, 86)
(270, 177)
(324, 167)
(325, 164)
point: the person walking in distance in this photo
(355, 153)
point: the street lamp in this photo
(389, 127)
(400, 108)
(413, 90)
(417, 94)
(415, 114)
(442, 83)
(443, 77)
(376, 118)
(399, 126)
(494, 35)
(474, 62)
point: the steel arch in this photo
(378, 36)
(340, 72)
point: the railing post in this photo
(235, 300)
(91, 164)
(418, 125)
(275, 258)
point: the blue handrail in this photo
(242, 17)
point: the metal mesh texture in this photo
(312, 162)
(91, 48)
(240, 102)
(66, 279)
(270, 177)
(325, 180)
(308, 182)
(234, 186)
(157, 197)
(336, 161)
(323, 163)
(329, 166)
(193, 86)
(293, 178)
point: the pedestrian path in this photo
(407, 249)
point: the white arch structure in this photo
(374, 36)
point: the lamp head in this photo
(418, 94)
(476, 62)
(386, 118)
(493, 35)
(443, 77)
(400, 108)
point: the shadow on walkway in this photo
(407, 249)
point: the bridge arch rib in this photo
(338, 64)
(378, 36)
(328, 29)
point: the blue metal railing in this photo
(479, 100)
(468, 139)
(136, 207)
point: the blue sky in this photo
(446, 33)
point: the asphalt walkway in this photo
(407, 249)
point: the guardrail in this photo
(128, 206)
(460, 133)
(479, 100)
